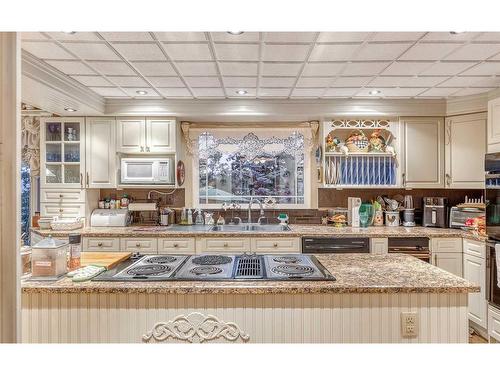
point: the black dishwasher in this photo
(335, 245)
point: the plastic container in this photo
(49, 259)
(75, 249)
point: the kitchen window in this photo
(261, 163)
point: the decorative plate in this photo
(181, 173)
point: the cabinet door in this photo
(474, 271)
(100, 153)
(424, 152)
(494, 125)
(160, 135)
(465, 146)
(131, 135)
(451, 262)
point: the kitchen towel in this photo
(497, 257)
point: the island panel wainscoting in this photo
(364, 304)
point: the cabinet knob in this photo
(142, 148)
(60, 195)
(275, 244)
(99, 244)
(61, 210)
(176, 245)
(137, 244)
(147, 149)
(226, 244)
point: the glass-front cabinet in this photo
(61, 148)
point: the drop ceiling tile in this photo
(471, 81)
(175, 92)
(226, 37)
(46, 50)
(483, 69)
(364, 68)
(291, 37)
(209, 92)
(396, 36)
(447, 36)
(191, 51)
(240, 82)
(128, 81)
(238, 52)
(33, 36)
(181, 37)
(475, 52)
(140, 51)
(155, 68)
(312, 93)
(109, 91)
(337, 37)
(428, 51)
(473, 91)
(488, 37)
(277, 81)
(166, 81)
(251, 93)
(71, 67)
(351, 81)
(381, 51)
(78, 36)
(322, 69)
(126, 36)
(238, 69)
(274, 93)
(93, 81)
(446, 68)
(401, 68)
(281, 69)
(112, 68)
(406, 81)
(341, 92)
(393, 92)
(314, 82)
(202, 81)
(283, 52)
(197, 68)
(92, 51)
(132, 91)
(333, 52)
(439, 92)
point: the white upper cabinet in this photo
(423, 159)
(145, 135)
(100, 152)
(465, 146)
(494, 125)
(62, 152)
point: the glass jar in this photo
(75, 249)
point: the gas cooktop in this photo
(218, 267)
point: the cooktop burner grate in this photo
(149, 270)
(293, 270)
(211, 260)
(161, 259)
(287, 259)
(205, 270)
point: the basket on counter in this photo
(66, 224)
(357, 142)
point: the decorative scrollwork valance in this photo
(30, 141)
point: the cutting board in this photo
(103, 259)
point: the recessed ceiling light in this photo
(141, 92)
(69, 32)
(235, 32)
(69, 109)
(456, 32)
(241, 92)
(375, 92)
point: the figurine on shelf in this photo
(377, 142)
(344, 150)
(331, 143)
(390, 150)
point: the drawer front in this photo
(446, 245)
(223, 245)
(101, 244)
(62, 196)
(494, 323)
(139, 244)
(64, 210)
(176, 246)
(476, 248)
(276, 245)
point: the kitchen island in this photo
(363, 304)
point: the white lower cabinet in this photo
(494, 323)
(379, 246)
(447, 254)
(140, 244)
(474, 271)
(172, 245)
(276, 245)
(222, 245)
(101, 244)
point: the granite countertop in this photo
(355, 273)
(296, 231)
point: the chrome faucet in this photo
(262, 216)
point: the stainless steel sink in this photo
(250, 228)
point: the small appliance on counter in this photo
(110, 218)
(435, 212)
(353, 205)
(460, 215)
(408, 212)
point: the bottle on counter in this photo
(112, 204)
(101, 203)
(34, 219)
(125, 201)
(106, 203)
(75, 249)
(199, 217)
(184, 216)
(118, 204)
(190, 217)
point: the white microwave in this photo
(147, 171)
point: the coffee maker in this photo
(435, 213)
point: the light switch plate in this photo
(409, 324)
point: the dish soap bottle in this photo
(189, 217)
(183, 217)
(199, 217)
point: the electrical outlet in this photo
(409, 324)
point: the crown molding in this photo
(45, 87)
(467, 104)
(274, 109)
